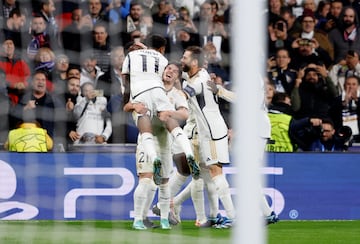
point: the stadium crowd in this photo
(61, 65)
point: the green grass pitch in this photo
(318, 232)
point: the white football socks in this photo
(223, 191)
(164, 200)
(140, 197)
(150, 198)
(265, 208)
(213, 197)
(176, 182)
(197, 196)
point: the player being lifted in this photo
(142, 70)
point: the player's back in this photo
(145, 67)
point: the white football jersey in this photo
(145, 67)
(204, 107)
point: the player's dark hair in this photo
(197, 53)
(155, 41)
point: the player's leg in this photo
(213, 199)
(179, 178)
(164, 188)
(144, 170)
(181, 138)
(218, 151)
(150, 198)
(144, 124)
(164, 108)
(269, 214)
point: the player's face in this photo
(186, 61)
(170, 73)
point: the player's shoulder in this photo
(178, 92)
(203, 74)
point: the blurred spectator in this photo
(278, 36)
(307, 51)
(93, 120)
(101, 46)
(118, 10)
(7, 6)
(46, 10)
(163, 17)
(184, 38)
(73, 71)
(270, 91)
(279, 72)
(209, 27)
(39, 102)
(192, 5)
(309, 4)
(112, 85)
(58, 75)
(45, 61)
(274, 8)
(4, 104)
(69, 98)
(76, 34)
(29, 136)
(333, 16)
(184, 20)
(293, 24)
(346, 67)
(111, 82)
(314, 93)
(213, 64)
(321, 14)
(136, 20)
(15, 28)
(346, 109)
(308, 31)
(90, 72)
(16, 71)
(96, 12)
(39, 36)
(330, 140)
(346, 36)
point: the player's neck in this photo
(193, 71)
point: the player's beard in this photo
(186, 68)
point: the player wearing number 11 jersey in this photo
(143, 70)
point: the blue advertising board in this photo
(76, 186)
